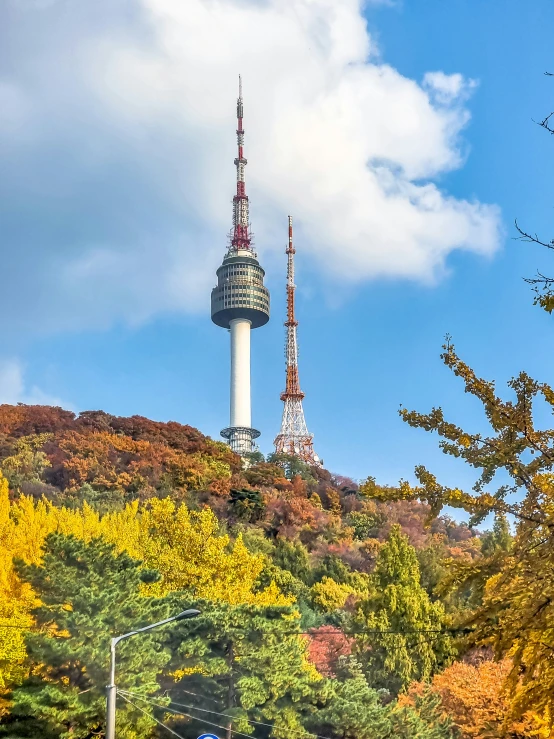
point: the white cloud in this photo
(13, 388)
(125, 139)
(448, 89)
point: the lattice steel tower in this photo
(240, 302)
(293, 438)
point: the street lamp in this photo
(111, 688)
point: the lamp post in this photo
(111, 688)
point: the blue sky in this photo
(113, 222)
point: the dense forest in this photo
(328, 608)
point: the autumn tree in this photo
(28, 462)
(16, 601)
(327, 644)
(474, 696)
(189, 551)
(406, 643)
(88, 593)
(185, 546)
(516, 615)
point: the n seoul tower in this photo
(240, 302)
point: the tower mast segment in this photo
(241, 222)
(293, 438)
(240, 302)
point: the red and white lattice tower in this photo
(293, 438)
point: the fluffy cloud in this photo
(118, 141)
(13, 388)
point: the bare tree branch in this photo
(540, 279)
(529, 238)
(545, 123)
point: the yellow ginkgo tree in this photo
(186, 547)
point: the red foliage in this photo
(134, 454)
(345, 550)
(288, 514)
(24, 420)
(326, 645)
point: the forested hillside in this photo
(328, 607)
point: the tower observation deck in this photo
(240, 302)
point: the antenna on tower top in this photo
(241, 238)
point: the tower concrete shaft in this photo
(240, 302)
(241, 412)
(294, 437)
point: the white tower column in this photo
(240, 302)
(241, 414)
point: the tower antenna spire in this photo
(241, 238)
(293, 438)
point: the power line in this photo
(182, 713)
(150, 716)
(197, 695)
(376, 632)
(16, 626)
(314, 632)
(227, 715)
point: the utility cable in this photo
(197, 695)
(188, 715)
(150, 716)
(227, 715)
(377, 632)
(314, 631)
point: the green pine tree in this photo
(246, 662)
(246, 504)
(398, 603)
(500, 539)
(352, 710)
(293, 556)
(88, 594)
(292, 466)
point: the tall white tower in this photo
(240, 302)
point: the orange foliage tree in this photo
(473, 695)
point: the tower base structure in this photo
(241, 439)
(294, 438)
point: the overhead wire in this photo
(15, 626)
(314, 632)
(227, 715)
(197, 695)
(150, 716)
(182, 713)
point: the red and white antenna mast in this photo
(293, 438)
(241, 238)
